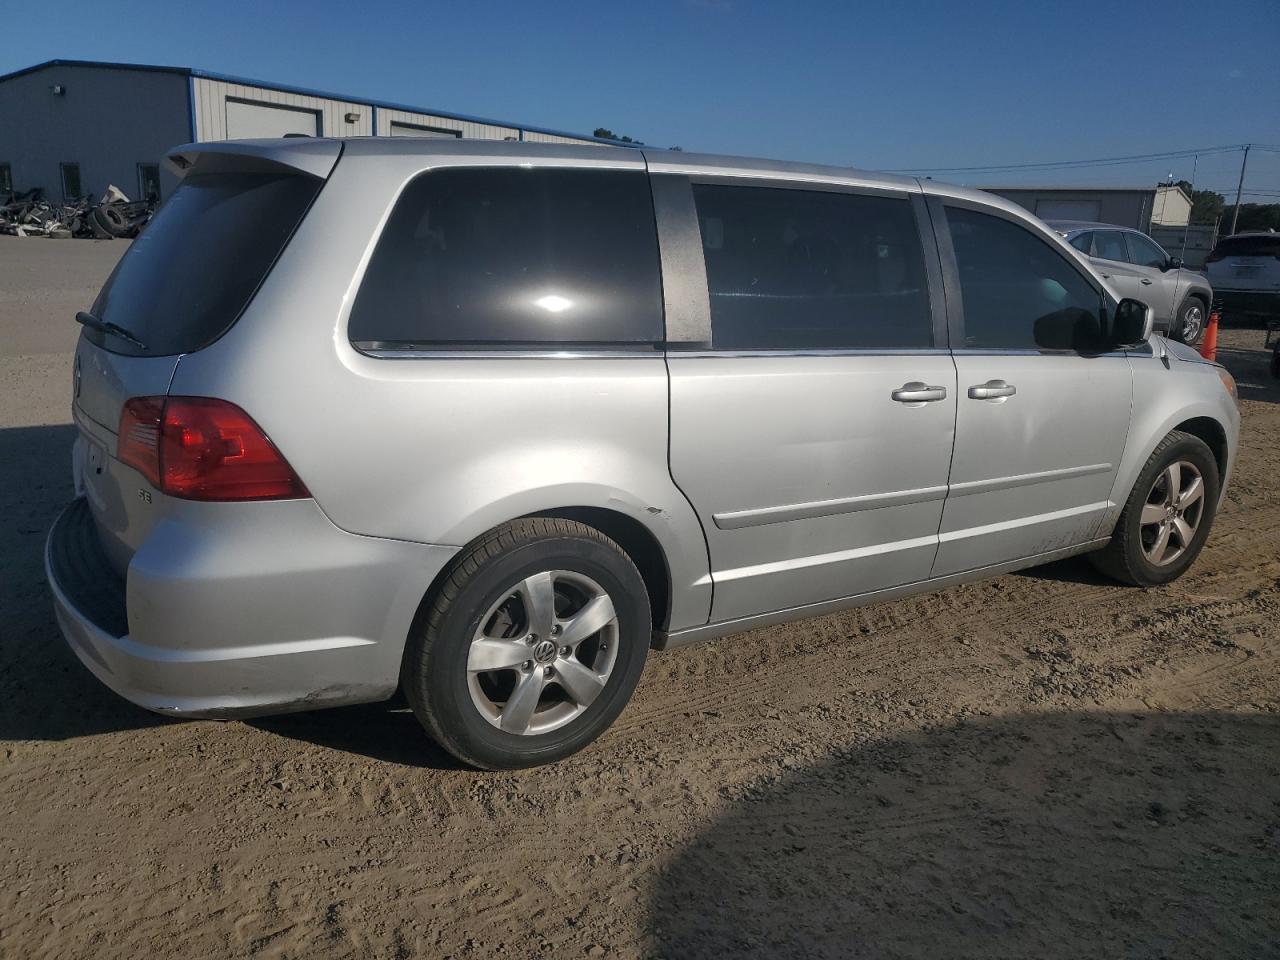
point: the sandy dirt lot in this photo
(1043, 765)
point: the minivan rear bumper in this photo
(270, 609)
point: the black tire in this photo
(1193, 313)
(434, 673)
(111, 220)
(1123, 558)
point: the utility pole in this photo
(1235, 217)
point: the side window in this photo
(799, 269)
(1109, 245)
(1144, 252)
(1083, 242)
(510, 256)
(1017, 291)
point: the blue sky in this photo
(877, 85)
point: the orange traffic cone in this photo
(1209, 345)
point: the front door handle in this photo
(992, 390)
(1146, 281)
(917, 392)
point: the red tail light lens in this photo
(1214, 257)
(198, 448)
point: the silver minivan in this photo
(487, 422)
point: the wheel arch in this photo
(638, 543)
(1214, 436)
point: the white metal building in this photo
(71, 127)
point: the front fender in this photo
(1163, 398)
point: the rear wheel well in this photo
(639, 544)
(1211, 432)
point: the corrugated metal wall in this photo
(532, 136)
(211, 109)
(478, 131)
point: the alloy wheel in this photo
(1172, 513)
(1192, 321)
(543, 652)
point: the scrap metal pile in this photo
(113, 215)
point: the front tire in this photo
(1189, 325)
(1167, 517)
(532, 645)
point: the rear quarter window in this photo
(507, 257)
(191, 272)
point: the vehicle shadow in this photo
(1071, 570)
(1252, 371)
(45, 694)
(382, 731)
(1047, 835)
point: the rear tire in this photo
(527, 607)
(1188, 326)
(1167, 518)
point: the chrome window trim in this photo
(676, 354)
(502, 353)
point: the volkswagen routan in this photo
(489, 422)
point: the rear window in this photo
(494, 257)
(1248, 247)
(193, 269)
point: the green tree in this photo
(1206, 206)
(605, 133)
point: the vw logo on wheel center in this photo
(544, 651)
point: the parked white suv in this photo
(1245, 272)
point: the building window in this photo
(70, 181)
(6, 178)
(149, 181)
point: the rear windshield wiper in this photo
(106, 326)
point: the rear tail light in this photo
(1214, 257)
(198, 448)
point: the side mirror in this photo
(1133, 323)
(1173, 263)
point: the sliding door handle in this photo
(918, 392)
(992, 390)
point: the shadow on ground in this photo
(1252, 371)
(381, 731)
(1050, 835)
(45, 694)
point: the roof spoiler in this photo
(314, 157)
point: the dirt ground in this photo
(1043, 765)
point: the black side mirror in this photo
(1173, 263)
(1132, 324)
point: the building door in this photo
(416, 130)
(247, 120)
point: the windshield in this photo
(1264, 246)
(192, 271)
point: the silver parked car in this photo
(1139, 267)
(489, 421)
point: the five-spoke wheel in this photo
(543, 652)
(1172, 512)
(1167, 517)
(531, 646)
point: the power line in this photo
(1099, 162)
